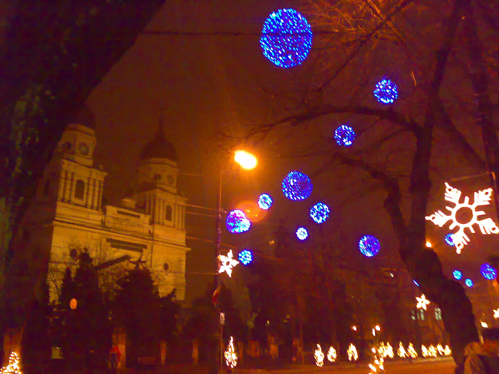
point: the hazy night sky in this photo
(203, 84)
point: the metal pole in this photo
(217, 254)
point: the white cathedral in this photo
(68, 215)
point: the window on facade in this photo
(419, 313)
(79, 189)
(168, 214)
(46, 188)
(438, 314)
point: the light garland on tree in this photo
(376, 366)
(422, 302)
(297, 186)
(319, 356)
(320, 213)
(385, 350)
(369, 245)
(411, 351)
(352, 353)
(230, 354)
(331, 354)
(386, 91)
(488, 272)
(447, 351)
(453, 195)
(227, 263)
(344, 135)
(13, 367)
(401, 352)
(237, 222)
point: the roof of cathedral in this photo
(84, 117)
(159, 147)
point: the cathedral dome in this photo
(159, 147)
(84, 117)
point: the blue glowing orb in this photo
(286, 38)
(237, 222)
(448, 240)
(369, 245)
(245, 257)
(302, 233)
(344, 135)
(319, 212)
(297, 186)
(265, 201)
(488, 272)
(386, 91)
(468, 282)
(457, 274)
(416, 283)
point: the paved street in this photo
(440, 366)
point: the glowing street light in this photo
(245, 159)
(378, 328)
(354, 328)
(428, 245)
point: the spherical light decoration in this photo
(386, 91)
(488, 272)
(237, 222)
(344, 135)
(469, 283)
(245, 257)
(457, 275)
(319, 212)
(265, 201)
(448, 240)
(286, 38)
(297, 186)
(302, 233)
(369, 246)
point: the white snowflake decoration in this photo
(422, 302)
(481, 198)
(227, 263)
(496, 313)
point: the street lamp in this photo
(247, 161)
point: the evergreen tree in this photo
(137, 309)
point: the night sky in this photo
(204, 84)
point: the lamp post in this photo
(246, 161)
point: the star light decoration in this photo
(422, 302)
(237, 222)
(453, 195)
(265, 201)
(344, 135)
(386, 92)
(230, 354)
(496, 313)
(286, 38)
(227, 263)
(319, 356)
(488, 272)
(297, 186)
(319, 213)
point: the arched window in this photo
(79, 189)
(46, 188)
(168, 214)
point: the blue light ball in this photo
(469, 283)
(245, 257)
(457, 275)
(286, 38)
(344, 135)
(369, 246)
(488, 272)
(319, 213)
(416, 283)
(297, 186)
(386, 92)
(237, 222)
(302, 233)
(448, 240)
(265, 201)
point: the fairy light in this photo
(331, 354)
(13, 367)
(386, 91)
(352, 353)
(401, 352)
(319, 356)
(230, 354)
(376, 364)
(411, 351)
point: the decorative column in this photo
(94, 194)
(60, 188)
(65, 195)
(100, 184)
(71, 186)
(182, 215)
(174, 214)
(156, 210)
(91, 192)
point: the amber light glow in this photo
(245, 159)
